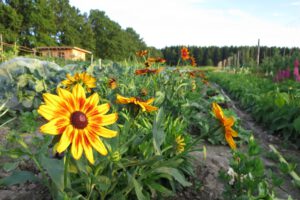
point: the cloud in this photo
(164, 23)
(295, 3)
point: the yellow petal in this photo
(65, 139)
(228, 121)
(88, 151)
(217, 110)
(142, 105)
(150, 108)
(103, 108)
(69, 100)
(78, 92)
(52, 100)
(230, 141)
(76, 148)
(123, 100)
(149, 101)
(55, 126)
(93, 101)
(91, 104)
(46, 112)
(106, 133)
(232, 132)
(108, 119)
(97, 143)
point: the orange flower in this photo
(112, 83)
(148, 71)
(144, 105)
(193, 61)
(227, 122)
(185, 55)
(160, 60)
(202, 75)
(192, 74)
(141, 53)
(156, 60)
(151, 60)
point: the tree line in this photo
(34, 23)
(213, 55)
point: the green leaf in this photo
(55, 169)
(175, 174)
(18, 177)
(158, 187)
(103, 183)
(159, 97)
(27, 101)
(158, 131)
(10, 166)
(138, 189)
(296, 124)
(23, 80)
(281, 99)
(39, 86)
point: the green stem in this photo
(292, 173)
(45, 177)
(91, 191)
(66, 168)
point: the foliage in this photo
(57, 23)
(143, 161)
(212, 55)
(274, 105)
(247, 177)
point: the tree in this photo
(10, 23)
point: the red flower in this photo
(185, 54)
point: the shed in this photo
(65, 52)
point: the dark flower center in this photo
(79, 120)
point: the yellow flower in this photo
(144, 105)
(179, 144)
(194, 86)
(87, 81)
(78, 120)
(227, 122)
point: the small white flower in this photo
(232, 174)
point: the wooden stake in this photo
(258, 52)
(1, 48)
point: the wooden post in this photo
(238, 59)
(1, 48)
(257, 58)
(91, 59)
(15, 49)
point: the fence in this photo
(14, 48)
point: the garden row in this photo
(135, 144)
(274, 105)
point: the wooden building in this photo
(65, 52)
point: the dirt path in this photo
(218, 156)
(265, 140)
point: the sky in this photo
(164, 23)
